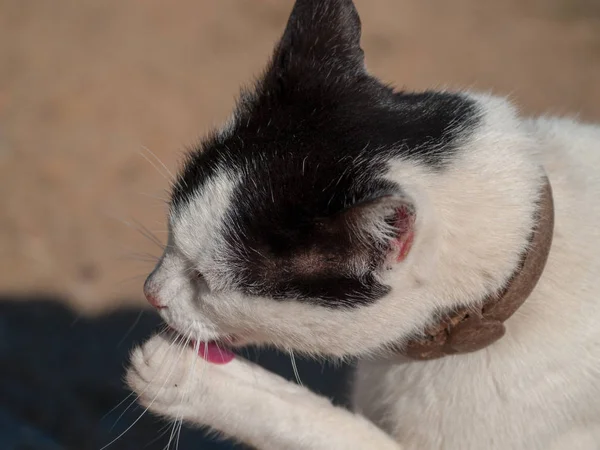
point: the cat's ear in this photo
(383, 228)
(321, 36)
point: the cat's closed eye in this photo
(199, 279)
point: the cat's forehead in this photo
(307, 138)
(284, 161)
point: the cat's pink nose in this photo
(154, 301)
(151, 296)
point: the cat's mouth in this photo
(216, 351)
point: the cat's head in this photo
(309, 221)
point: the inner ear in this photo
(404, 233)
(383, 227)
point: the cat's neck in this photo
(469, 329)
(474, 218)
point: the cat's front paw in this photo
(165, 375)
(177, 383)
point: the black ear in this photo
(321, 36)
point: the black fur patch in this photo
(312, 142)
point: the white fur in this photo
(536, 388)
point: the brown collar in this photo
(469, 329)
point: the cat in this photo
(335, 217)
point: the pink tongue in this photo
(214, 354)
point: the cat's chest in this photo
(472, 402)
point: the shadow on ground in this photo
(61, 380)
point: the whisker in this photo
(219, 349)
(130, 279)
(141, 256)
(147, 408)
(162, 430)
(148, 234)
(196, 351)
(156, 197)
(160, 172)
(142, 230)
(295, 368)
(128, 395)
(130, 329)
(175, 424)
(136, 397)
(173, 428)
(115, 407)
(179, 432)
(160, 162)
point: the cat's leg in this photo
(245, 402)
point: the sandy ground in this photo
(90, 90)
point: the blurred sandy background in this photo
(90, 89)
(86, 86)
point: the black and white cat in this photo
(333, 216)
